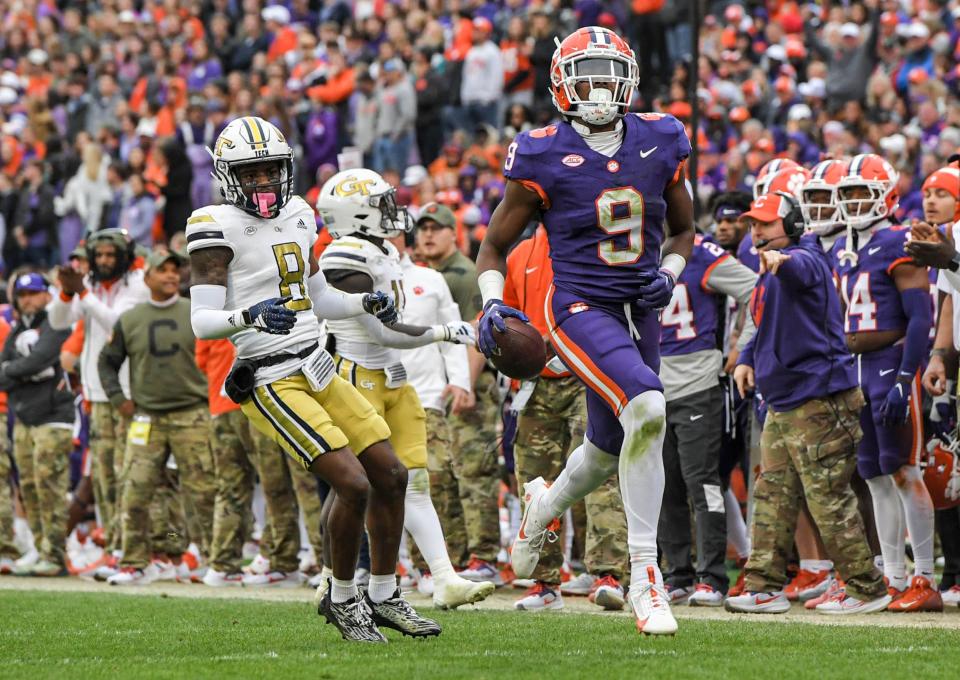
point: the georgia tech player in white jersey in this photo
(256, 281)
(359, 209)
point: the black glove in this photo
(271, 316)
(381, 306)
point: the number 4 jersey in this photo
(869, 292)
(271, 258)
(604, 215)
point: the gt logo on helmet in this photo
(351, 185)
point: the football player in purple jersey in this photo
(609, 188)
(888, 320)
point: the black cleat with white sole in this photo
(397, 613)
(352, 618)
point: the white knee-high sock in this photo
(888, 512)
(421, 520)
(918, 512)
(642, 481)
(737, 533)
(586, 469)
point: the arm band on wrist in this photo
(491, 285)
(674, 264)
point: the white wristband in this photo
(674, 264)
(491, 285)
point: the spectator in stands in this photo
(482, 86)
(396, 104)
(84, 198)
(34, 222)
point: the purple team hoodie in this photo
(799, 351)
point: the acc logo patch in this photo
(250, 231)
(351, 185)
(418, 290)
(613, 166)
(573, 160)
(578, 307)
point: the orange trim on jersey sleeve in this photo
(74, 343)
(537, 189)
(678, 174)
(899, 261)
(709, 271)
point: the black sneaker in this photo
(397, 613)
(352, 619)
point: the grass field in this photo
(104, 635)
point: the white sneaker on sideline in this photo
(705, 595)
(274, 579)
(539, 598)
(758, 603)
(847, 604)
(578, 585)
(219, 579)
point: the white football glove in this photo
(952, 491)
(457, 332)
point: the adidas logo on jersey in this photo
(301, 224)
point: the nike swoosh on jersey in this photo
(530, 270)
(693, 418)
(644, 154)
(873, 251)
(887, 372)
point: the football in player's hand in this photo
(521, 352)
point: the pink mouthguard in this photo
(265, 202)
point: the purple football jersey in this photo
(747, 254)
(689, 323)
(604, 216)
(868, 289)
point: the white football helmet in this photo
(361, 201)
(249, 141)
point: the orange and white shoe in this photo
(841, 603)
(807, 585)
(532, 534)
(836, 585)
(651, 607)
(539, 598)
(893, 591)
(921, 596)
(607, 593)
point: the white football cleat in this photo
(758, 603)
(578, 585)
(651, 607)
(274, 579)
(705, 595)
(539, 598)
(131, 576)
(455, 591)
(842, 603)
(530, 537)
(220, 579)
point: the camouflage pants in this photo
(7, 548)
(288, 489)
(444, 491)
(186, 435)
(232, 447)
(42, 454)
(810, 452)
(549, 427)
(108, 435)
(475, 453)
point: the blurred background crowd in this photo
(106, 108)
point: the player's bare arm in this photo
(679, 221)
(518, 207)
(208, 267)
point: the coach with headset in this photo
(798, 360)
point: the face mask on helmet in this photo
(861, 204)
(394, 219)
(609, 87)
(820, 210)
(264, 186)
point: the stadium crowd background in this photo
(106, 108)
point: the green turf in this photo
(83, 635)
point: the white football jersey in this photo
(271, 258)
(382, 265)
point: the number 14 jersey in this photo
(868, 290)
(271, 258)
(604, 215)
